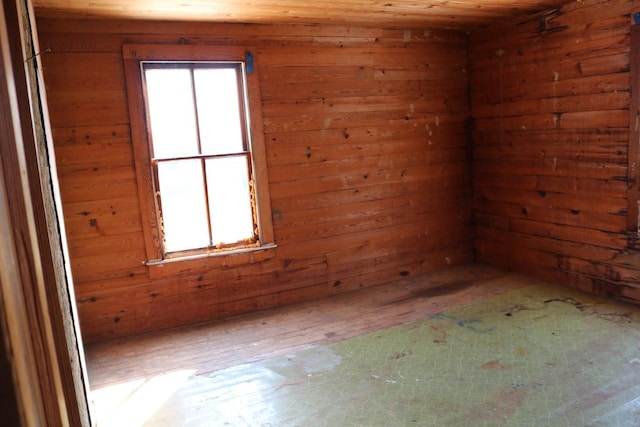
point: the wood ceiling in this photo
(458, 14)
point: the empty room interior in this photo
(429, 215)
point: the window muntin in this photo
(199, 142)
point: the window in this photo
(199, 154)
(198, 149)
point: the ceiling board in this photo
(458, 14)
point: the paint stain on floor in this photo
(537, 356)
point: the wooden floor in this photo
(540, 346)
(217, 345)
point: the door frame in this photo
(38, 318)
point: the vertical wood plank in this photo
(27, 288)
(633, 223)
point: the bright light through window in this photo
(200, 154)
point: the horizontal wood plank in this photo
(551, 144)
(368, 168)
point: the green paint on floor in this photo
(537, 356)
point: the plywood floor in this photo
(471, 345)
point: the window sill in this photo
(193, 264)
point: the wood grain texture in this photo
(257, 336)
(367, 159)
(633, 221)
(461, 14)
(34, 319)
(551, 162)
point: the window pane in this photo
(219, 110)
(229, 199)
(171, 112)
(183, 205)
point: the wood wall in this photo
(8, 399)
(550, 98)
(368, 161)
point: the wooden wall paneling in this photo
(561, 239)
(633, 219)
(583, 138)
(563, 102)
(551, 88)
(367, 160)
(579, 13)
(363, 181)
(306, 204)
(8, 396)
(272, 34)
(20, 349)
(542, 199)
(605, 222)
(598, 187)
(551, 145)
(553, 167)
(542, 44)
(37, 323)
